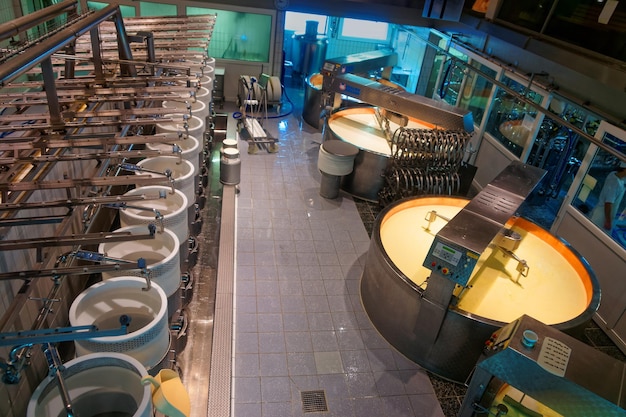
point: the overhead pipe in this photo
(35, 55)
(21, 24)
(123, 47)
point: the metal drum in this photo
(559, 288)
(230, 167)
(311, 111)
(359, 126)
(309, 51)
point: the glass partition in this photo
(238, 35)
(477, 90)
(511, 120)
(147, 8)
(127, 11)
(560, 151)
(600, 194)
(452, 77)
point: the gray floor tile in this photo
(271, 342)
(247, 390)
(298, 342)
(273, 364)
(302, 363)
(275, 389)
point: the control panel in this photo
(451, 260)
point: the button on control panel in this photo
(451, 260)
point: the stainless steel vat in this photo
(393, 296)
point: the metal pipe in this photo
(33, 56)
(123, 47)
(56, 120)
(23, 23)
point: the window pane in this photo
(156, 9)
(476, 91)
(453, 74)
(528, 14)
(602, 185)
(297, 22)
(577, 22)
(127, 11)
(509, 116)
(238, 35)
(559, 151)
(364, 29)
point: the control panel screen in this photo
(446, 253)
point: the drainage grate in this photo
(313, 401)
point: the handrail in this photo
(21, 24)
(44, 50)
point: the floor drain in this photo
(313, 401)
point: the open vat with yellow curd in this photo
(359, 126)
(558, 287)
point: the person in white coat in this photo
(605, 212)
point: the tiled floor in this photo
(299, 323)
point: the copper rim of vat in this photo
(345, 113)
(573, 257)
(104, 378)
(164, 249)
(102, 304)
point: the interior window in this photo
(364, 29)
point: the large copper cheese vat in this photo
(559, 288)
(360, 127)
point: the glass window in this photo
(528, 14)
(147, 8)
(296, 22)
(559, 151)
(238, 35)
(452, 77)
(127, 11)
(602, 190)
(510, 120)
(364, 29)
(476, 91)
(579, 22)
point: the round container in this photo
(560, 289)
(335, 159)
(311, 111)
(230, 167)
(195, 125)
(228, 144)
(198, 107)
(189, 146)
(204, 94)
(99, 384)
(359, 127)
(183, 173)
(102, 304)
(161, 254)
(173, 209)
(309, 53)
